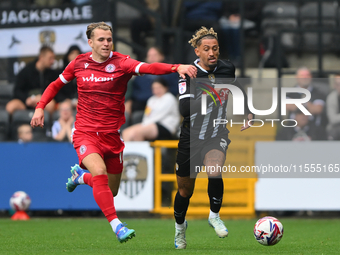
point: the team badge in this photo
(211, 77)
(82, 149)
(110, 68)
(48, 37)
(182, 87)
(134, 174)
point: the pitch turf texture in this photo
(155, 236)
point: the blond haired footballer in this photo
(102, 77)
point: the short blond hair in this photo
(101, 25)
(196, 39)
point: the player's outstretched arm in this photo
(190, 70)
(160, 68)
(38, 118)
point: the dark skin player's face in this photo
(208, 53)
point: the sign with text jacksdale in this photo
(26, 42)
(23, 32)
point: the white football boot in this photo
(180, 242)
(219, 227)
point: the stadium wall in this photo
(297, 176)
(42, 169)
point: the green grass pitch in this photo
(155, 236)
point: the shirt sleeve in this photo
(68, 74)
(136, 67)
(130, 65)
(184, 96)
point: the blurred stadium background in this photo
(290, 34)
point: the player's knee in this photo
(215, 174)
(185, 192)
(99, 171)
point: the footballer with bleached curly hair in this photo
(201, 142)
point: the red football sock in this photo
(88, 179)
(103, 196)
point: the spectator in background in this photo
(201, 13)
(333, 110)
(70, 91)
(197, 14)
(161, 117)
(62, 128)
(230, 24)
(142, 25)
(139, 89)
(315, 105)
(303, 131)
(25, 133)
(31, 82)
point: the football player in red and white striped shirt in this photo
(102, 77)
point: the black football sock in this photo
(215, 192)
(180, 208)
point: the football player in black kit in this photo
(202, 143)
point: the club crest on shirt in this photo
(182, 87)
(224, 94)
(211, 77)
(82, 149)
(110, 68)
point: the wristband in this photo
(38, 106)
(174, 68)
